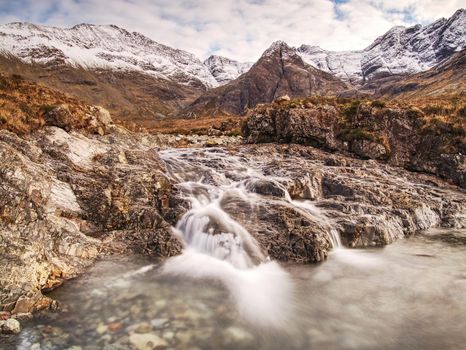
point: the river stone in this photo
(23, 316)
(10, 326)
(146, 341)
(158, 322)
(238, 334)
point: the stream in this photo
(223, 292)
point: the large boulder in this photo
(400, 135)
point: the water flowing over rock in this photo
(68, 197)
(292, 199)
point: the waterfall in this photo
(216, 246)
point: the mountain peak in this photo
(103, 47)
(278, 47)
(459, 13)
(401, 50)
(224, 69)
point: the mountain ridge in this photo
(139, 79)
(401, 50)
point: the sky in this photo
(238, 29)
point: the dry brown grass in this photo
(228, 125)
(24, 103)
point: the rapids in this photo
(225, 292)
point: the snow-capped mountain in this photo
(224, 69)
(345, 65)
(279, 71)
(102, 47)
(400, 50)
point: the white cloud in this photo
(240, 29)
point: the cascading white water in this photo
(208, 229)
(217, 246)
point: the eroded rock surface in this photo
(67, 197)
(296, 200)
(400, 136)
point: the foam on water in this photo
(218, 247)
(262, 294)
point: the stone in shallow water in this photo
(10, 326)
(146, 341)
(101, 328)
(23, 316)
(158, 322)
(238, 334)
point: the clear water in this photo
(409, 295)
(222, 292)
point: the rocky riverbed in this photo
(414, 289)
(69, 197)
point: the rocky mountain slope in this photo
(444, 79)
(102, 47)
(345, 65)
(224, 69)
(279, 71)
(131, 97)
(399, 51)
(145, 82)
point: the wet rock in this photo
(365, 202)
(23, 305)
(146, 341)
(265, 187)
(237, 334)
(4, 315)
(158, 322)
(114, 326)
(143, 327)
(10, 326)
(101, 328)
(23, 316)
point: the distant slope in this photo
(103, 47)
(280, 71)
(129, 96)
(224, 69)
(447, 78)
(399, 51)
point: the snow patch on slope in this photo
(102, 47)
(224, 69)
(345, 65)
(399, 51)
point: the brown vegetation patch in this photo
(24, 104)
